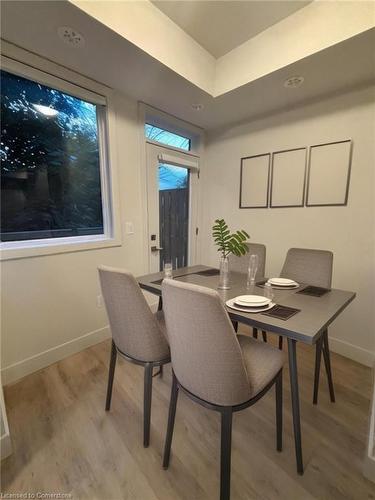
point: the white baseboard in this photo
(14, 372)
(369, 468)
(353, 352)
(5, 446)
(5, 442)
(369, 463)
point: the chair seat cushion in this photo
(262, 362)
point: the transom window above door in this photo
(166, 137)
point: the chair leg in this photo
(147, 396)
(255, 333)
(111, 374)
(279, 411)
(318, 357)
(327, 362)
(281, 339)
(264, 336)
(171, 419)
(225, 453)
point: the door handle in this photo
(156, 249)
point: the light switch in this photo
(129, 228)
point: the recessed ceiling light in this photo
(70, 36)
(294, 82)
(45, 110)
(197, 107)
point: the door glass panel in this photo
(171, 177)
(173, 215)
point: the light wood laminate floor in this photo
(65, 442)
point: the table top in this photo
(316, 314)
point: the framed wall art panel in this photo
(254, 181)
(288, 175)
(329, 174)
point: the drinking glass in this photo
(252, 269)
(268, 292)
(168, 270)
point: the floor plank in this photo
(65, 442)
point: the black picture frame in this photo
(303, 148)
(348, 174)
(268, 181)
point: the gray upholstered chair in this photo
(310, 266)
(213, 366)
(138, 335)
(313, 267)
(241, 265)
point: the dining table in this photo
(314, 315)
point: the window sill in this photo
(39, 248)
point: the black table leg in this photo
(327, 362)
(293, 374)
(147, 396)
(160, 305)
(318, 357)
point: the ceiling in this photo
(112, 60)
(220, 26)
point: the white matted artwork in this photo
(288, 178)
(329, 173)
(254, 181)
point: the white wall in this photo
(49, 305)
(347, 231)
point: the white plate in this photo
(252, 300)
(250, 307)
(230, 303)
(282, 282)
(290, 287)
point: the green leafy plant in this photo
(229, 242)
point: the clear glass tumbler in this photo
(252, 270)
(268, 292)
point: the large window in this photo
(50, 162)
(163, 136)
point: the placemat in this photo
(208, 272)
(157, 282)
(281, 312)
(261, 283)
(314, 291)
(205, 272)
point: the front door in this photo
(171, 191)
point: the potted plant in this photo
(228, 243)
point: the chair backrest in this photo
(134, 328)
(241, 264)
(313, 267)
(206, 356)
